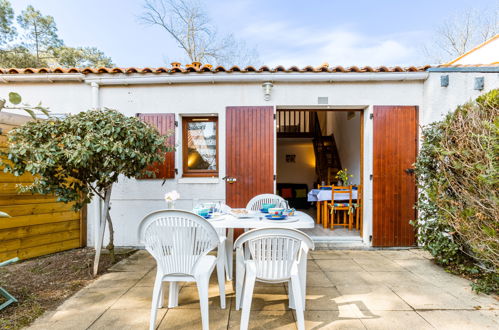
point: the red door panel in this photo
(394, 186)
(250, 153)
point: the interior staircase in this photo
(306, 124)
(327, 158)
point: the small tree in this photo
(83, 155)
(41, 32)
(15, 104)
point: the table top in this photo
(229, 221)
(315, 195)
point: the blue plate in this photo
(275, 217)
(264, 210)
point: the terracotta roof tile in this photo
(198, 68)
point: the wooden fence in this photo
(39, 225)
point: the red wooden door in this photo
(250, 153)
(394, 186)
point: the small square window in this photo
(200, 146)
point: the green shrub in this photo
(458, 177)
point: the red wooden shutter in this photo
(165, 124)
(394, 186)
(249, 152)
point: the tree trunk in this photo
(102, 229)
(110, 245)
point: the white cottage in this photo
(244, 131)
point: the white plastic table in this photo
(257, 221)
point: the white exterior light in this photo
(267, 88)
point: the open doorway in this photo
(312, 147)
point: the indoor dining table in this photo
(322, 196)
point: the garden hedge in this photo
(457, 173)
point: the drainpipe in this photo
(257, 78)
(95, 95)
(41, 77)
(97, 204)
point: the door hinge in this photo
(275, 177)
(370, 238)
(371, 116)
(176, 123)
(370, 177)
(274, 117)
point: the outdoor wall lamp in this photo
(267, 88)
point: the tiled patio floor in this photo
(346, 290)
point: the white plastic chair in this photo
(275, 255)
(180, 242)
(255, 204)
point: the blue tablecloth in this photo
(318, 195)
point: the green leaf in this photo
(15, 98)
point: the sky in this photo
(284, 32)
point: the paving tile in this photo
(81, 310)
(423, 267)
(92, 299)
(378, 265)
(117, 280)
(139, 297)
(214, 283)
(397, 278)
(141, 261)
(399, 254)
(191, 319)
(361, 278)
(422, 253)
(322, 299)
(329, 254)
(68, 320)
(332, 320)
(275, 320)
(318, 279)
(347, 289)
(126, 319)
(312, 266)
(363, 254)
(268, 298)
(430, 297)
(368, 298)
(381, 320)
(338, 265)
(485, 301)
(464, 320)
(148, 279)
(189, 298)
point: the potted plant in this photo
(343, 177)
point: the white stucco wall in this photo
(303, 169)
(132, 199)
(486, 53)
(347, 136)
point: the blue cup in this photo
(203, 212)
(267, 206)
